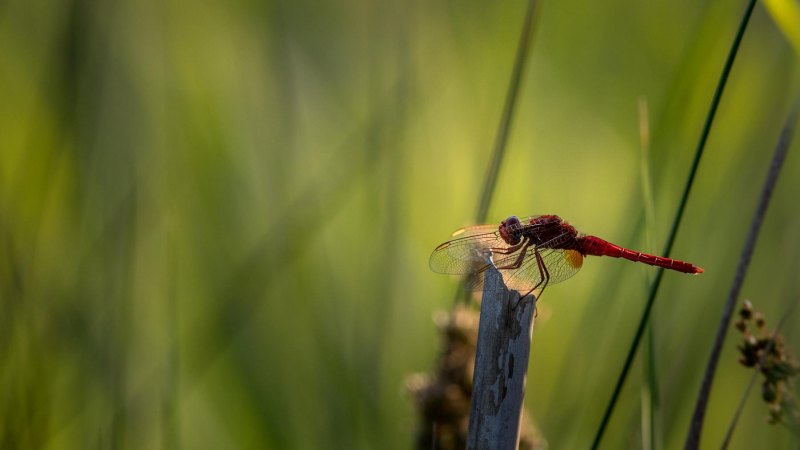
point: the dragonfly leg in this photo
(525, 243)
(543, 274)
(545, 278)
(518, 262)
(543, 270)
(508, 250)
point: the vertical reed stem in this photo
(696, 426)
(503, 128)
(723, 79)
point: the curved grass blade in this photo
(676, 222)
(501, 138)
(696, 426)
(649, 395)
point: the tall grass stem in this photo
(501, 138)
(650, 400)
(675, 224)
(696, 425)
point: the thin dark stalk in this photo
(501, 138)
(756, 371)
(740, 407)
(170, 415)
(650, 400)
(696, 426)
(675, 223)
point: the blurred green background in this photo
(216, 216)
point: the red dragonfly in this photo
(531, 253)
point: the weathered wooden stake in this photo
(501, 366)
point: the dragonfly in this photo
(531, 253)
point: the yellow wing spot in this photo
(459, 231)
(574, 258)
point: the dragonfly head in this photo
(511, 230)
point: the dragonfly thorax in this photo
(551, 231)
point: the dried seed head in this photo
(772, 359)
(768, 392)
(747, 310)
(775, 414)
(760, 322)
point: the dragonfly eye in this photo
(512, 222)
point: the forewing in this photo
(474, 230)
(475, 280)
(467, 252)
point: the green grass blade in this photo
(696, 426)
(675, 224)
(650, 400)
(501, 138)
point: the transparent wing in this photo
(466, 253)
(560, 264)
(473, 230)
(524, 272)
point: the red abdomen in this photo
(592, 245)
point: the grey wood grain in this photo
(501, 366)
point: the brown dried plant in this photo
(766, 352)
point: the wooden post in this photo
(501, 366)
